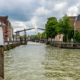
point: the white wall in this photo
(1, 36)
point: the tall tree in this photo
(50, 27)
(64, 25)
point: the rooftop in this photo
(72, 16)
(78, 18)
(4, 19)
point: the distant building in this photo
(32, 36)
(29, 37)
(17, 36)
(59, 37)
(7, 29)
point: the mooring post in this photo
(1, 62)
(1, 54)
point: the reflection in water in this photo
(40, 62)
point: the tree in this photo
(44, 35)
(50, 27)
(70, 34)
(76, 37)
(20, 37)
(64, 25)
(26, 37)
(39, 36)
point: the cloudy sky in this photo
(34, 13)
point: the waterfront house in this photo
(7, 29)
(4, 29)
(75, 22)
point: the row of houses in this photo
(7, 28)
(75, 22)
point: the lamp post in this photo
(1, 54)
(72, 39)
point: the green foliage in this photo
(76, 37)
(75, 41)
(50, 27)
(70, 34)
(26, 37)
(64, 25)
(65, 38)
(34, 37)
(44, 35)
(39, 36)
(20, 37)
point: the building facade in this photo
(7, 29)
(75, 22)
(4, 29)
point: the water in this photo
(37, 61)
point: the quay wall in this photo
(65, 45)
(11, 46)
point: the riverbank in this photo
(65, 45)
(61, 44)
(12, 44)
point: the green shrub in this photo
(74, 40)
(76, 37)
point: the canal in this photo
(36, 61)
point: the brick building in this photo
(75, 22)
(7, 29)
(10, 31)
(17, 36)
(4, 29)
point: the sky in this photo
(25, 14)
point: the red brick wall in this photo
(4, 18)
(72, 20)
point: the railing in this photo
(10, 42)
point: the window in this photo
(3, 21)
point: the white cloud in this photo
(73, 11)
(41, 11)
(33, 13)
(60, 6)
